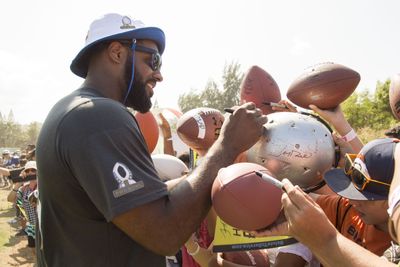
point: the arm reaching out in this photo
(336, 118)
(167, 135)
(307, 222)
(189, 201)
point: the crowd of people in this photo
(18, 175)
(101, 201)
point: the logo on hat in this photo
(126, 184)
(126, 23)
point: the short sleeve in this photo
(107, 154)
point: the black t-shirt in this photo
(93, 164)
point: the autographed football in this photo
(200, 127)
(394, 95)
(258, 86)
(257, 258)
(244, 200)
(325, 85)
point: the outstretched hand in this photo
(335, 117)
(306, 221)
(164, 126)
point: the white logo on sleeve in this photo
(126, 184)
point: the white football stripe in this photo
(202, 126)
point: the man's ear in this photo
(115, 52)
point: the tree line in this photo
(367, 111)
(13, 134)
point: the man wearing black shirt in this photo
(101, 200)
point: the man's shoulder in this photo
(86, 95)
(81, 111)
(85, 100)
(333, 203)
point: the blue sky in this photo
(40, 38)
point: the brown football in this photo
(257, 258)
(394, 95)
(149, 127)
(325, 85)
(244, 200)
(200, 127)
(258, 86)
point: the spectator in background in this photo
(30, 147)
(19, 217)
(20, 195)
(6, 158)
(6, 163)
(31, 155)
(22, 160)
(3, 177)
(15, 159)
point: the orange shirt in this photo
(348, 222)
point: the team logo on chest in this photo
(126, 184)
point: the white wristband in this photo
(394, 200)
(349, 136)
(196, 251)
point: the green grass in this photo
(7, 213)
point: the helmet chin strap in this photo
(133, 71)
(313, 188)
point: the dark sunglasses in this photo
(358, 175)
(156, 60)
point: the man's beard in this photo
(137, 98)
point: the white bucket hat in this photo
(115, 27)
(30, 165)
